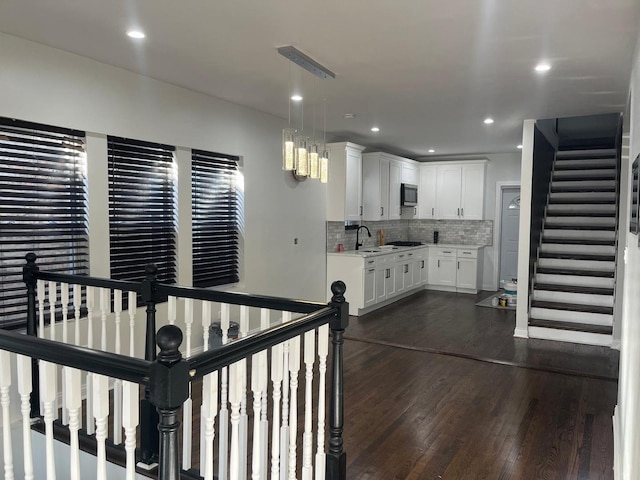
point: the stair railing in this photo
(273, 353)
(618, 147)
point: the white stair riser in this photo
(578, 249)
(574, 234)
(571, 317)
(574, 298)
(586, 173)
(581, 221)
(586, 196)
(582, 184)
(570, 336)
(581, 209)
(575, 280)
(599, 266)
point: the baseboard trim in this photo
(521, 333)
(617, 444)
(586, 338)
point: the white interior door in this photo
(509, 232)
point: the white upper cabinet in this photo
(395, 172)
(344, 190)
(410, 173)
(375, 186)
(452, 190)
(427, 192)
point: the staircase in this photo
(574, 281)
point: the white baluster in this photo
(77, 303)
(24, 389)
(171, 310)
(5, 385)
(53, 299)
(209, 412)
(105, 309)
(244, 419)
(90, 424)
(130, 420)
(294, 368)
(284, 430)
(187, 408)
(206, 322)
(223, 419)
(117, 386)
(48, 396)
(307, 438)
(101, 414)
(265, 322)
(73, 395)
(235, 395)
(323, 351)
(131, 309)
(276, 379)
(41, 299)
(258, 379)
(64, 300)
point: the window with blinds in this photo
(42, 208)
(215, 218)
(142, 213)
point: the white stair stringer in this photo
(587, 338)
(585, 318)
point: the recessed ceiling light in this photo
(488, 121)
(296, 98)
(136, 34)
(431, 150)
(543, 67)
(520, 147)
(375, 129)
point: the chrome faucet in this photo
(358, 244)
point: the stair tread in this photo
(575, 327)
(578, 272)
(571, 226)
(596, 257)
(572, 307)
(575, 153)
(573, 289)
(570, 213)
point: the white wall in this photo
(627, 418)
(502, 167)
(42, 84)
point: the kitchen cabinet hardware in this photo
(382, 211)
(446, 251)
(360, 210)
(370, 261)
(462, 211)
(372, 270)
(432, 211)
(438, 263)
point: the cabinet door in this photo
(399, 269)
(369, 286)
(472, 195)
(427, 192)
(448, 188)
(424, 271)
(408, 275)
(390, 280)
(384, 188)
(410, 174)
(419, 271)
(444, 271)
(381, 283)
(467, 273)
(353, 197)
(395, 211)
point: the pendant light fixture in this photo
(299, 153)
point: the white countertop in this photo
(387, 249)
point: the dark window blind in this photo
(42, 208)
(215, 218)
(142, 214)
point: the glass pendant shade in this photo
(288, 149)
(324, 166)
(302, 157)
(314, 167)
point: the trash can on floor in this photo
(215, 334)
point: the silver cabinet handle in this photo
(462, 210)
(410, 254)
(415, 210)
(458, 212)
(432, 209)
(387, 273)
(406, 269)
(438, 263)
(360, 210)
(422, 264)
(458, 265)
(370, 261)
(372, 270)
(444, 251)
(400, 256)
(382, 211)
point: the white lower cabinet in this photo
(454, 269)
(369, 281)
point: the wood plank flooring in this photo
(412, 414)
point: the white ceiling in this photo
(427, 72)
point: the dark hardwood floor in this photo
(411, 413)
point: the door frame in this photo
(497, 227)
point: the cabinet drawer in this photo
(371, 261)
(467, 253)
(443, 252)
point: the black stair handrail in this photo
(167, 375)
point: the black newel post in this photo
(29, 272)
(169, 388)
(148, 452)
(336, 456)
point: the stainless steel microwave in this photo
(408, 195)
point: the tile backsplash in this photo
(462, 232)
